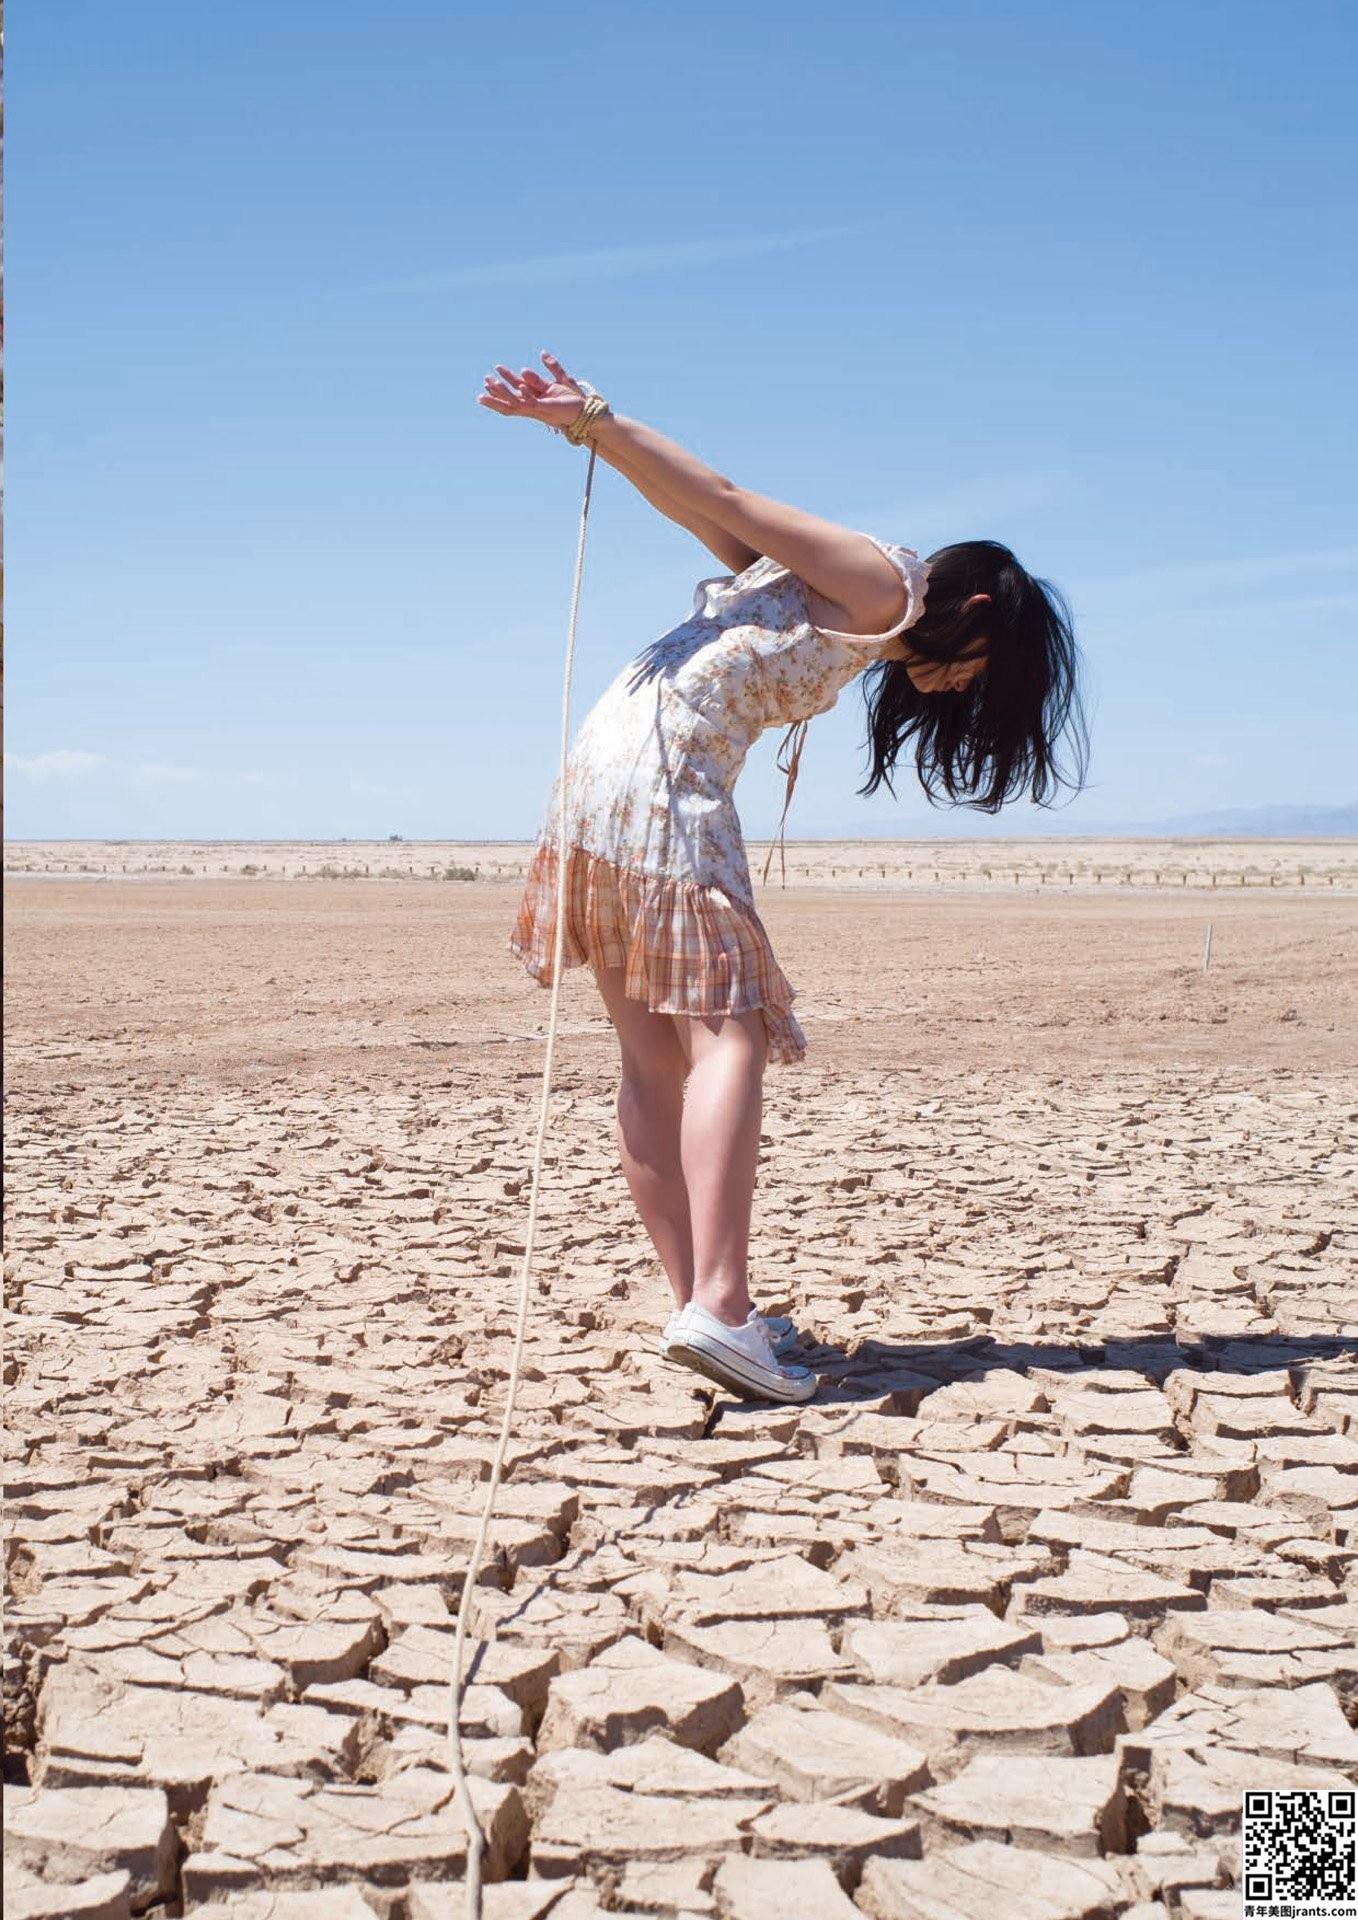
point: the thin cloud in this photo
(1221, 575)
(150, 774)
(63, 763)
(1142, 618)
(70, 763)
(374, 790)
(616, 263)
(968, 509)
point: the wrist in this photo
(605, 427)
(583, 428)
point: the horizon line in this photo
(807, 840)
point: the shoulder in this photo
(900, 610)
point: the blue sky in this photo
(1077, 277)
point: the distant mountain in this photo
(1031, 823)
(1272, 823)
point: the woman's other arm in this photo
(840, 566)
(835, 562)
(529, 395)
(732, 553)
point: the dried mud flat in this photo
(1063, 1557)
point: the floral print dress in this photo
(657, 880)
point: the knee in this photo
(651, 1079)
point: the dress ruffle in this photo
(683, 948)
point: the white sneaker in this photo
(784, 1336)
(741, 1359)
(783, 1333)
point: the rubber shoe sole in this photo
(727, 1367)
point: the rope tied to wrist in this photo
(582, 429)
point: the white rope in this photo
(475, 1837)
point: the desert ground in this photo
(1060, 1561)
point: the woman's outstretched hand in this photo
(555, 402)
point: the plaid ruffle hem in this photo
(683, 948)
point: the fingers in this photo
(531, 379)
(504, 393)
(519, 392)
(557, 371)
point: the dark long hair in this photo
(1001, 736)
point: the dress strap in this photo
(789, 760)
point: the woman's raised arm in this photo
(731, 552)
(840, 565)
(836, 563)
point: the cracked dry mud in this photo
(1062, 1558)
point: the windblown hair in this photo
(1001, 736)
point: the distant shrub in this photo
(460, 873)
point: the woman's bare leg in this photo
(650, 1106)
(719, 1152)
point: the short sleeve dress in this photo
(657, 879)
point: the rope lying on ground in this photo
(475, 1837)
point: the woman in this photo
(970, 660)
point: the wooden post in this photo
(1207, 948)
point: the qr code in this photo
(1300, 1855)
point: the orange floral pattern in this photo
(649, 795)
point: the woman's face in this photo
(931, 676)
(952, 676)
